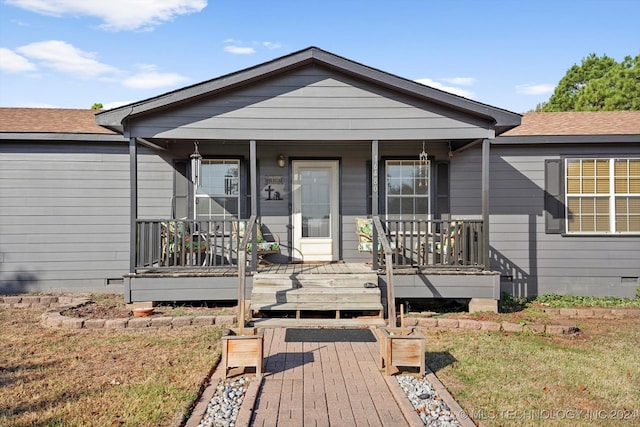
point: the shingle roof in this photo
(50, 120)
(578, 123)
(59, 120)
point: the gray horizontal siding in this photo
(311, 104)
(465, 185)
(446, 286)
(551, 263)
(64, 213)
(186, 289)
(155, 185)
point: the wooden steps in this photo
(334, 293)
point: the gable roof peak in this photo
(502, 119)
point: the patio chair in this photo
(444, 244)
(179, 245)
(263, 246)
(364, 230)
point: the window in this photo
(407, 189)
(603, 195)
(218, 196)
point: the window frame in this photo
(239, 196)
(610, 195)
(429, 188)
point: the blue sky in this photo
(509, 54)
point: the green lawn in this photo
(518, 379)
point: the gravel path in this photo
(429, 406)
(223, 409)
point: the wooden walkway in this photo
(326, 384)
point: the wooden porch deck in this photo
(326, 384)
(284, 269)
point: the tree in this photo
(598, 84)
(97, 106)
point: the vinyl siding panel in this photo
(155, 185)
(446, 286)
(312, 103)
(64, 213)
(188, 288)
(466, 184)
(534, 262)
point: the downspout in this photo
(133, 205)
(133, 214)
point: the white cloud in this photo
(271, 45)
(462, 81)
(14, 63)
(238, 47)
(149, 78)
(116, 14)
(66, 58)
(239, 50)
(450, 89)
(535, 89)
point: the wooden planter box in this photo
(242, 350)
(402, 347)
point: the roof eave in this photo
(502, 120)
(566, 139)
(60, 136)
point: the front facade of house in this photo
(308, 145)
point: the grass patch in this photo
(564, 301)
(57, 377)
(502, 378)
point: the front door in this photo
(315, 210)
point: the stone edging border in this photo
(447, 324)
(56, 305)
(53, 317)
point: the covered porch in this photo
(310, 159)
(413, 259)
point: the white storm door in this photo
(315, 210)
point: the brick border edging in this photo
(55, 306)
(449, 324)
(40, 301)
(53, 318)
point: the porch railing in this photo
(455, 243)
(388, 253)
(187, 244)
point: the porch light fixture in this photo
(281, 161)
(196, 166)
